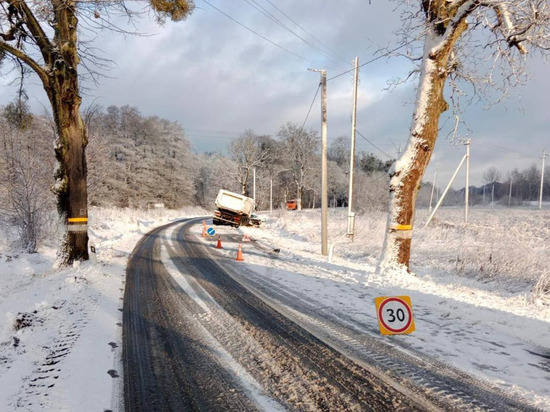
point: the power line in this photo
(258, 34)
(491, 145)
(311, 105)
(376, 58)
(307, 32)
(266, 13)
(376, 147)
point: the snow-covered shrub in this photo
(502, 245)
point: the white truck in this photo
(235, 210)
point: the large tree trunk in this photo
(70, 147)
(407, 172)
(71, 188)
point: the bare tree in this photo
(97, 151)
(491, 175)
(299, 150)
(339, 151)
(269, 172)
(212, 176)
(247, 153)
(42, 36)
(457, 35)
(25, 199)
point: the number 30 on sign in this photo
(395, 315)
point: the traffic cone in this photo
(204, 234)
(219, 245)
(239, 254)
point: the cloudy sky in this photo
(242, 64)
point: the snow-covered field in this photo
(480, 297)
(489, 317)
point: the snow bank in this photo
(60, 330)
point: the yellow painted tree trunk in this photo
(70, 148)
(407, 172)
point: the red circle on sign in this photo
(403, 329)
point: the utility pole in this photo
(351, 214)
(324, 173)
(440, 201)
(254, 190)
(510, 191)
(542, 178)
(467, 191)
(271, 194)
(465, 158)
(433, 189)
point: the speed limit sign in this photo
(395, 315)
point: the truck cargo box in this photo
(233, 209)
(234, 202)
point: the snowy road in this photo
(202, 331)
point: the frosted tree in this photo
(25, 173)
(97, 152)
(247, 153)
(491, 176)
(460, 36)
(212, 176)
(136, 160)
(299, 150)
(268, 173)
(43, 36)
(339, 151)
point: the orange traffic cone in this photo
(239, 254)
(204, 234)
(219, 245)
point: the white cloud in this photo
(210, 73)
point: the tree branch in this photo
(455, 25)
(512, 38)
(35, 29)
(39, 70)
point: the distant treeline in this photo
(137, 161)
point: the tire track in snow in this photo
(168, 363)
(331, 380)
(215, 316)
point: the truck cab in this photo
(233, 209)
(291, 205)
